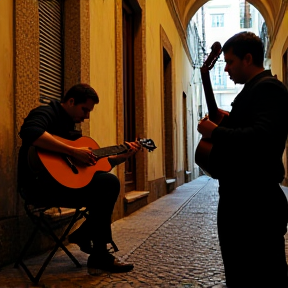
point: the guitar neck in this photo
(110, 150)
(209, 94)
(123, 148)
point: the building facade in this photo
(217, 21)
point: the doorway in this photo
(168, 115)
(285, 81)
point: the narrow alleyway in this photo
(172, 243)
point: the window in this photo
(218, 76)
(51, 47)
(245, 15)
(217, 20)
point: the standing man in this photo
(99, 196)
(246, 158)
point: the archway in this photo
(268, 10)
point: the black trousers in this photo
(99, 197)
(252, 222)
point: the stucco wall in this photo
(181, 71)
(7, 133)
(103, 119)
(279, 47)
(19, 93)
(277, 52)
(102, 71)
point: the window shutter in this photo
(51, 47)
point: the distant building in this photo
(218, 20)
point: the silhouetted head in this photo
(80, 93)
(79, 101)
(243, 43)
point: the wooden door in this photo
(128, 92)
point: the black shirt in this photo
(52, 119)
(248, 144)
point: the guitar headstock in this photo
(213, 56)
(147, 143)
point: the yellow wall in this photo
(279, 47)
(7, 152)
(181, 70)
(277, 51)
(102, 71)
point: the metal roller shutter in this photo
(51, 47)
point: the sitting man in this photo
(99, 196)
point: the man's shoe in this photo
(106, 263)
(83, 243)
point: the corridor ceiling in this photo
(271, 10)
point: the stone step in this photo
(170, 182)
(135, 200)
(134, 195)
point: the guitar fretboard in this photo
(110, 150)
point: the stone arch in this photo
(268, 11)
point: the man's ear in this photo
(71, 101)
(248, 58)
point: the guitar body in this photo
(202, 155)
(70, 173)
(62, 173)
(203, 150)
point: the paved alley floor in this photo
(172, 242)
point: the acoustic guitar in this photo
(203, 150)
(67, 171)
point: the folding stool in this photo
(38, 215)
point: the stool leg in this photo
(26, 247)
(23, 253)
(44, 225)
(59, 242)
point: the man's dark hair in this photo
(80, 93)
(243, 43)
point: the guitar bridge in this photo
(70, 164)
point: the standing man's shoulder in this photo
(273, 79)
(268, 81)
